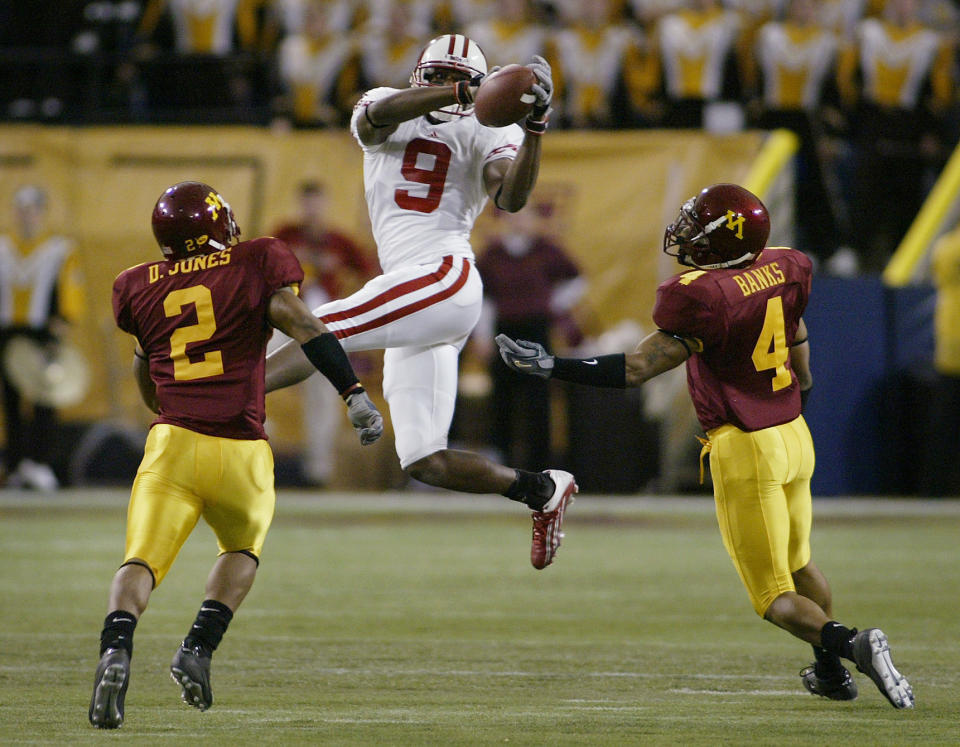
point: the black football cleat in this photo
(836, 686)
(871, 652)
(191, 670)
(110, 689)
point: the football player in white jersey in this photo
(429, 167)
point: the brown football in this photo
(504, 97)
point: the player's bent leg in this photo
(227, 585)
(465, 471)
(812, 584)
(826, 676)
(797, 615)
(232, 577)
(131, 587)
(803, 618)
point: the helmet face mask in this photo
(441, 59)
(724, 226)
(193, 218)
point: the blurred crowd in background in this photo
(868, 85)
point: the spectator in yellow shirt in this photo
(40, 292)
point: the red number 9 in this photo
(434, 178)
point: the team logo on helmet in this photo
(724, 226)
(193, 218)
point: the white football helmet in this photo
(449, 52)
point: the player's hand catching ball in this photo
(543, 90)
(364, 417)
(525, 357)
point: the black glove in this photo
(466, 90)
(525, 357)
(364, 417)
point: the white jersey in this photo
(424, 184)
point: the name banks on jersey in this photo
(745, 320)
(202, 322)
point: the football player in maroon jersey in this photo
(736, 320)
(201, 318)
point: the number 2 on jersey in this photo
(435, 177)
(771, 349)
(212, 363)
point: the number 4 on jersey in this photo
(771, 350)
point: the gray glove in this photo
(364, 417)
(543, 88)
(525, 357)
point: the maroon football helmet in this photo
(724, 226)
(192, 218)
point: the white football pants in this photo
(421, 316)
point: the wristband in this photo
(535, 126)
(327, 356)
(804, 393)
(604, 370)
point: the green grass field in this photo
(417, 619)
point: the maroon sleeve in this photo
(682, 308)
(122, 305)
(279, 265)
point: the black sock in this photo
(532, 488)
(827, 663)
(837, 639)
(208, 629)
(118, 631)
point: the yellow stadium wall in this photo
(612, 193)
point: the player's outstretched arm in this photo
(510, 182)
(287, 366)
(656, 353)
(381, 117)
(323, 351)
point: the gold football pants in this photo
(761, 486)
(185, 475)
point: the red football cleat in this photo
(547, 523)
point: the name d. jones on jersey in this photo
(190, 264)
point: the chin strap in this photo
(729, 263)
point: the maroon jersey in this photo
(202, 322)
(745, 321)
